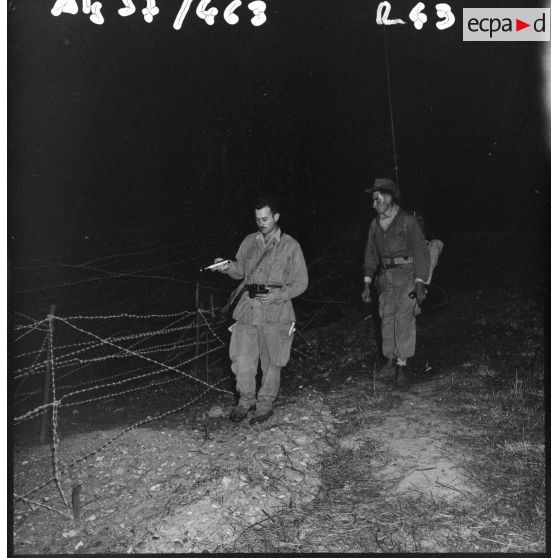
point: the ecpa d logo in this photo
(506, 24)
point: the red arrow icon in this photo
(519, 25)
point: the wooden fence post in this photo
(212, 307)
(76, 504)
(48, 372)
(197, 329)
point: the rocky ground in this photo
(346, 464)
(196, 485)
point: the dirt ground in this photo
(193, 486)
(346, 464)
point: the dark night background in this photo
(131, 124)
(135, 152)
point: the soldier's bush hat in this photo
(386, 184)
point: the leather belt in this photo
(388, 263)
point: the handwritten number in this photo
(258, 7)
(230, 17)
(444, 12)
(96, 15)
(417, 17)
(128, 10)
(66, 6)
(207, 15)
(150, 11)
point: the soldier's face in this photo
(266, 221)
(381, 202)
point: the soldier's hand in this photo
(366, 293)
(222, 268)
(420, 290)
(270, 297)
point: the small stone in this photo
(155, 487)
(91, 518)
(294, 476)
(78, 545)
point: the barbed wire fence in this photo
(169, 354)
(88, 360)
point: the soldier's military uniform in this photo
(400, 256)
(262, 332)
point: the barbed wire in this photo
(33, 412)
(127, 373)
(151, 385)
(172, 368)
(70, 360)
(61, 363)
(165, 328)
(31, 328)
(39, 352)
(312, 300)
(184, 313)
(120, 338)
(146, 375)
(39, 504)
(119, 375)
(147, 420)
(32, 369)
(210, 328)
(33, 320)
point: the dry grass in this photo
(507, 459)
(354, 513)
(496, 390)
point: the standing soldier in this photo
(273, 271)
(396, 250)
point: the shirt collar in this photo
(275, 236)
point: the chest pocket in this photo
(392, 243)
(278, 271)
(402, 239)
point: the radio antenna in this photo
(391, 108)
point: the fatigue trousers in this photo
(398, 312)
(268, 344)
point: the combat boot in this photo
(402, 376)
(387, 371)
(261, 415)
(240, 412)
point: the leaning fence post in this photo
(212, 307)
(76, 505)
(197, 327)
(48, 372)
